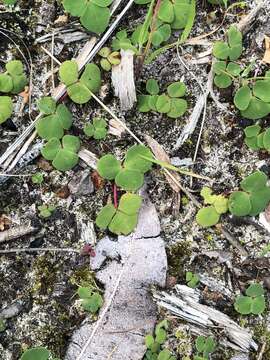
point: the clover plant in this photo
(121, 41)
(6, 108)
(121, 220)
(37, 178)
(251, 303)
(37, 353)
(62, 154)
(54, 120)
(91, 300)
(94, 14)
(169, 103)
(161, 34)
(109, 58)
(253, 198)
(224, 69)
(255, 139)
(45, 211)
(129, 175)
(204, 346)
(175, 13)
(253, 99)
(210, 215)
(79, 90)
(98, 129)
(155, 342)
(192, 279)
(13, 80)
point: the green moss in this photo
(83, 277)
(177, 255)
(262, 335)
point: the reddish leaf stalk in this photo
(115, 202)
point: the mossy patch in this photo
(177, 255)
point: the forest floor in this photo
(41, 286)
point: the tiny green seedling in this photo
(45, 211)
(255, 139)
(154, 344)
(253, 198)
(91, 300)
(62, 154)
(109, 58)
(121, 41)
(14, 79)
(98, 129)
(37, 178)
(226, 71)
(122, 220)
(210, 215)
(251, 303)
(169, 103)
(192, 279)
(37, 353)
(54, 120)
(204, 346)
(80, 90)
(130, 175)
(94, 15)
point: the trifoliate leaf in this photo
(105, 216)
(130, 180)
(207, 216)
(6, 108)
(239, 203)
(69, 72)
(254, 182)
(46, 105)
(108, 166)
(176, 89)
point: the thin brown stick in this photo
(19, 250)
(260, 356)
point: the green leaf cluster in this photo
(256, 139)
(253, 100)
(94, 14)
(210, 215)
(161, 34)
(80, 89)
(224, 69)
(121, 41)
(192, 279)
(251, 303)
(128, 176)
(109, 58)
(45, 211)
(174, 13)
(37, 353)
(204, 346)
(63, 154)
(154, 344)
(122, 220)
(9, 2)
(169, 103)
(13, 81)
(91, 300)
(253, 198)
(55, 119)
(97, 129)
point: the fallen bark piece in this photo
(128, 268)
(186, 306)
(123, 80)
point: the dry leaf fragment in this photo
(4, 222)
(61, 20)
(266, 57)
(161, 155)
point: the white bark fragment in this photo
(123, 80)
(186, 306)
(127, 267)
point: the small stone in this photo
(81, 184)
(63, 192)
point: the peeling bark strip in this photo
(129, 312)
(16, 232)
(186, 306)
(123, 80)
